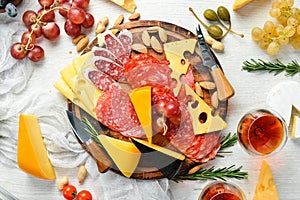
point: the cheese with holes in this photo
(64, 89)
(79, 61)
(203, 120)
(175, 51)
(124, 154)
(141, 100)
(265, 188)
(128, 5)
(32, 152)
(237, 4)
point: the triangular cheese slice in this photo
(128, 5)
(32, 153)
(174, 52)
(240, 3)
(201, 113)
(124, 154)
(266, 188)
(141, 101)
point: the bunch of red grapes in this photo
(43, 23)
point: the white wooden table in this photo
(251, 91)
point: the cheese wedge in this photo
(68, 74)
(203, 120)
(141, 100)
(174, 52)
(64, 89)
(237, 4)
(79, 61)
(266, 188)
(32, 153)
(124, 154)
(128, 5)
(294, 126)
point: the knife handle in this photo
(225, 89)
(104, 163)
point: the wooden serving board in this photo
(175, 33)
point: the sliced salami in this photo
(114, 45)
(199, 148)
(152, 74)
(125, 36)
(115, 110)
(99, 51)
(108, 66)
(101, 80)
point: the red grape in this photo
(89, 21)
(72, 29)
(81, 3)
(36, 29)
(46, 3)
(48, 17)
(36, 54)
(64, 12)
(29, 17)
(18, 51)
(76, 15)
(26, 36)
(51, 31)
(62, 1)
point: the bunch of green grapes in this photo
(286, 31)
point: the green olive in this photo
(223, 13)
(210, 15)
(215, 31)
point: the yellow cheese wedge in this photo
(202, 110)
(124, 154)
(68, 74)
(32, 153)
(78, 62)
(64, 89)
(174, 52)
(240, 3)
(141, 100)
(294, 126)
(266, 188)
(128, 5)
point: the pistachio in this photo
(146, 38)
(207, 85)
(82, 44)
(156, 45)
(75, 40)
(134, 16)
(119, 20)
(162, 35)
(62, 182)
(139, 48)
(81, 173)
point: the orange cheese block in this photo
(32, 153)
(265, 188)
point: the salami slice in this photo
(115, 110)
(199, 148)
(108, 66)
(101, 80)
(125, 36)
(99, 51)
(114, 45)
(152, 74)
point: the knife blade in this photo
(224, 88)
(79, 129)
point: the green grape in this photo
(293, 22)
(264, 42)
(296, 13)
(282, 3)
(298, 29)
(290, 3)
(273, 48)
(296, 43)
(275, 12)
(289, 31)
(282, 19)
(283, 40)
(269, 27)
(257, 33)
(279, 29)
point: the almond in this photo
(146, 38)
(198, 89)
(155, 44)
(162, 35)
(215, 100)
(134, 16)
(139, 48)
(82, 44)
(153, 29)
(75, 40)
(207, 85)
(119, 20)
(194, 169)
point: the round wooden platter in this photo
(174, 33)
(15, 2)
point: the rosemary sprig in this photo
(227, 141)
(213, 174)
(91, 129)
(290, 69)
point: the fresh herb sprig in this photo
(91, 129)
(277, 67)
(213, 174)
(227, 141)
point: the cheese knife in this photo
(84, 137)
(225, 89)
